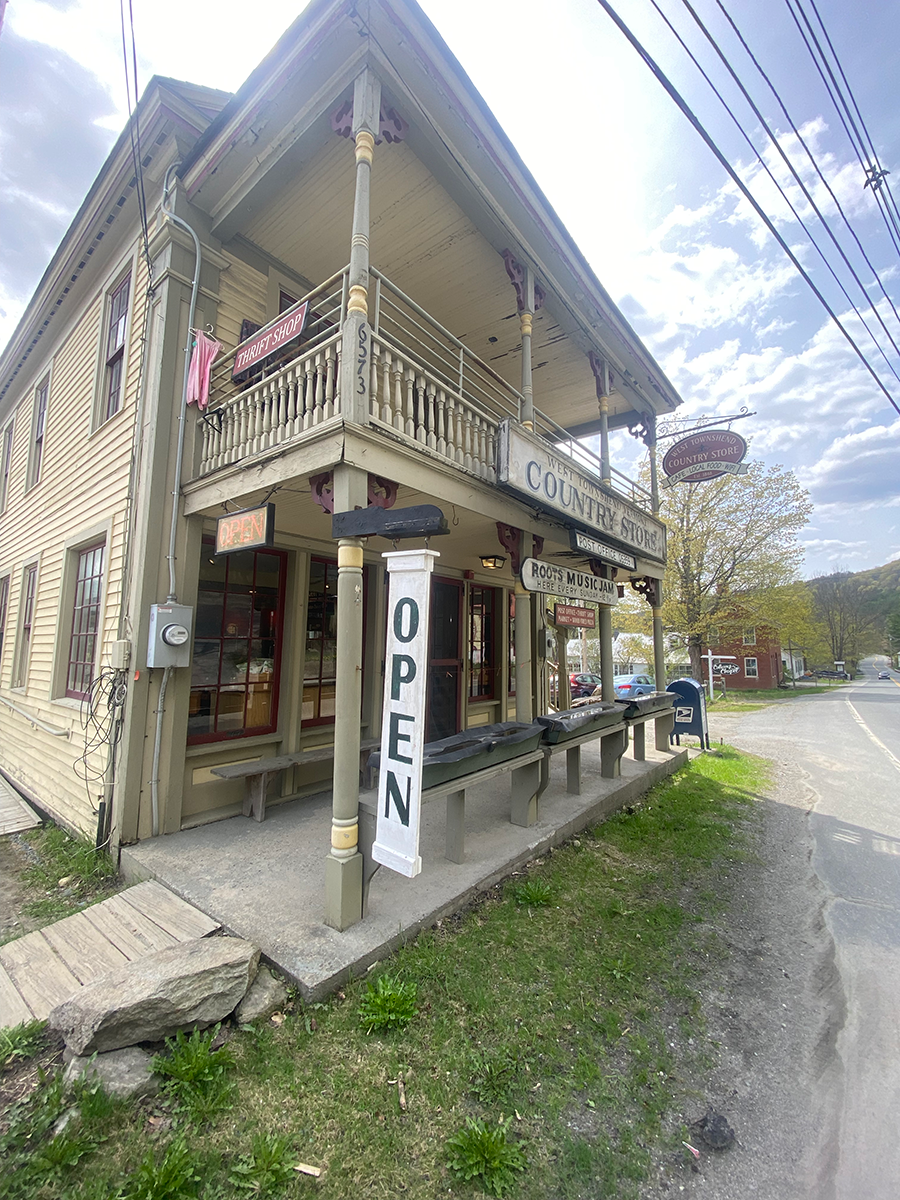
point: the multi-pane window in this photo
(6, 464)
(482, 661)
(320, 663)
(40, 425)
(4, 604)
(85, 622)
(751, 669)
(115, 347)
(237, 644)
(29, 586)
(750, 636)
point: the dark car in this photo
(583, 683)
(883, 675)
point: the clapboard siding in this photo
(83, 485)
(242, 296)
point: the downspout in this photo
(176, 491)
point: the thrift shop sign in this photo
(705, 455)
(403, 716)
(270, 339)
(530, 468)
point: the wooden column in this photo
(524, 695)
(659, 650)
(654, 471)
(344, 865)
(603, 399)
(526, 321)
(607, 671)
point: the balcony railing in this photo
(426, 388)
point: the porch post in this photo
(356, 350)
(607, 671)
(343, 867)
(524, 701)
(659, 650)
(604, 434)
(654, 472)
(526, 321)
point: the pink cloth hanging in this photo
(205, 351)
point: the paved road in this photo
(848, 744)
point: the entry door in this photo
(445, 673)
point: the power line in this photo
(134, 129)
(809, 197)
(799, 136)
(739, 183)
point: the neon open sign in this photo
(248, 529)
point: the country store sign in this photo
(529, 468)
(704, 456)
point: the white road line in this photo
(878, 742)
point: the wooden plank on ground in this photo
(83, 948)
(169, 911)
(13, 1009)
(42, 978)
(128, 929)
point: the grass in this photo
(64, 874)
(532, 1049)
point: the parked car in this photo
(883, 675)
(629, 686)
(583, 683)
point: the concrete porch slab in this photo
(266, 882)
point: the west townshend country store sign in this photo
(703, 456)
(538, 576)
(530, 469)
(270, 339)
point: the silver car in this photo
(629, 686)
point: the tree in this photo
(730, 540)
(840, 606)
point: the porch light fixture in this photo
(492, 562)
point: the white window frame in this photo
(22, 659)
(126, 268)
(750, 635)
(73, 546)
(7, 439)
(754, 673)
(37, 442)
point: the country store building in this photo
(453, 349)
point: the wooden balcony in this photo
(425, 388)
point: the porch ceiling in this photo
(424, 242)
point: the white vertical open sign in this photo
(403, 715)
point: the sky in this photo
(667, 232)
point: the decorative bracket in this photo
(511, 539)
(392, 127)
(516, 273)
(643, 427)
(650, 589)
(382, 493)
(322, 487)
(603, 376)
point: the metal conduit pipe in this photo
(176, 490)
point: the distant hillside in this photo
(881, 587)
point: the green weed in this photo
(482, 1152)
(196, 1074)
(175, 1175)
(533, 893)
(267, 1169)
(388, 1004)
(20, 1041)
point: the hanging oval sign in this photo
(705, 455)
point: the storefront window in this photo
(320, 666)
(482, 659)
(237, 644)
(511, 649)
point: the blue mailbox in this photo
(690, 710)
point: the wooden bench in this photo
(664, 723)
(613, 741)
(257, 774)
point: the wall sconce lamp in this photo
(492, 562)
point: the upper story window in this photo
(39, 427)
(85, 622)
(29, 588)
(750, 636)
(117, 320)
(6, 464)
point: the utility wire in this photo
(877, 178)
(799, 136)
(134, 130)
(874, 176)
(808, 195)
(739, 183)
